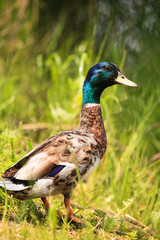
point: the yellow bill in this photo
(121, 79)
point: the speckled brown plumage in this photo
(91, 119)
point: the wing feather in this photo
(60, 150)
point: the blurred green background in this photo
(46, 49)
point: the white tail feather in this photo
(11, 186)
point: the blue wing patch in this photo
(55, 170)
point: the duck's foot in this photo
(76, 220)
(70, 219)
(70, 216)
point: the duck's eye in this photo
(107, 68)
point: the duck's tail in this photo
(28, 189)
(18, 188)
(13, 184)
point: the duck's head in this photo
(99, 77)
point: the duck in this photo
(53, 166)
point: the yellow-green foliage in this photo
(41, 78)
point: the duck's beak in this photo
(121, 79)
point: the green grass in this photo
(39, 86)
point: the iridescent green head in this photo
(99, 77)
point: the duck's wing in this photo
(50, 157)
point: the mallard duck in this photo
(51, 167)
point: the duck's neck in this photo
(91, 120)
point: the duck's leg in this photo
(46, 203)
(68, 208)
(59, 214)
(69, 212)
